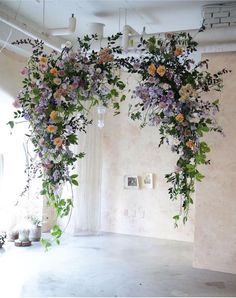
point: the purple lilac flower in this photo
(154, 120)
(27, 116)
(24, 71)
(177, 81)
(136, 66)
(169, 74)
(168, 113)
(153, 80)
(60, 64)
(163, 98)
(162, 105)
(170, 94)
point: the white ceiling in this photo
(156, 15)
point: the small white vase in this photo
(24, 235)
(35, 233)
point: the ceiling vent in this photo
(219, 15)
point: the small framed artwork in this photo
(148, 180)
(131, 182)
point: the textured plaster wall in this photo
(129, 150)
(215, 224)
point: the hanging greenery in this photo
(171, 96)
(59, 90)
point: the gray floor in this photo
(108, 265)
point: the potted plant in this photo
(36, 229)
(2, 238)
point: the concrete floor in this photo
(108, 265)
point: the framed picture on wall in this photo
(131, 182)
(147, 180)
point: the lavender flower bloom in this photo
(154, 120)
(162, 105)
(168, 113)
(56, 175)
(27, 116)
(170, 94)
(136, 66)
(69, 129)
(163, 98)
(178, 169)
(177, 81)
(60, 64)
(169, 74)
(153, 80)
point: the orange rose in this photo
(57, 142)
(51, 128)
(179, 118)
(161, 70)
(53, 115)
(190, 144)
(178, 51)
(151, 69)
(54, 71)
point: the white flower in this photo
(57, 159)
(62, 98)
(32, 95)
(165, 86)
(68, 44)
(64, 86)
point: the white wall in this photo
(11, 146)
(129, 150)
(215, 224)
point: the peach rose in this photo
(104, 56)
(43, 60)
(57, 81)
(161, 70)
(54, 71)
(57, 142)
(179, 118)
(190, 144)
(178, 51)
(51, 128)
(151, 69)
(53, 115)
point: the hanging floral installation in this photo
(59, 90)
(171, 97)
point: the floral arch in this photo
(59, 89)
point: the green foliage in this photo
(170, 97)
(11, 123)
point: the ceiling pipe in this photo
(23, 28)
(222, 38)
(64, 31)
(208, 37)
